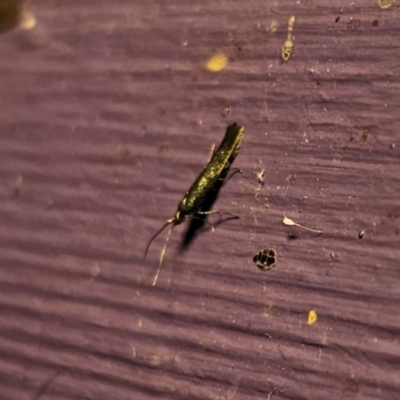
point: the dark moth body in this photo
(219, 163)
(215, 169)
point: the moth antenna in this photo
(162, 254)
(157, 233)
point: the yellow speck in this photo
(312, 317)
(385, 3)
(273, 26)
(217, 62)
(27, 20)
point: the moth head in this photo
(178, 218)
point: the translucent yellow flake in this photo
(385, 3)
(312, 317)
(27, 20)
(217, 62)
(273, 26)
(288, 45)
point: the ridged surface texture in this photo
(108, 114)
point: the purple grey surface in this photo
(107, 116)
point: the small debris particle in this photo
(273, 26)
(288, 45)
(392, 146)
(290, 222)
(163, 149)
(217, 62)
(365, 134)
(333, 255)
(385, 3)
(271, 393)
(27, 20)
(268, 309)
(353, 25)
(261, 177)
(361, 234)
(265, 259)
(375, 23)
(225, 111)
(337, 19)
(312, 317)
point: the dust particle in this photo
(225, 111)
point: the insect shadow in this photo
(197, 223)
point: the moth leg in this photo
(204, 220)
(217, 212)
(233, 172)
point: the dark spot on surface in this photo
(314, 344)
(375, 22)
(292, 236)
(265, 259)
(163, 149)
(18, 186)
(16, 192)
(365, 134)
(394, 214)
(123, 153)
(337, 19)
(353, 25)
(351, 385)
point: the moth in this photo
(191, 203)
